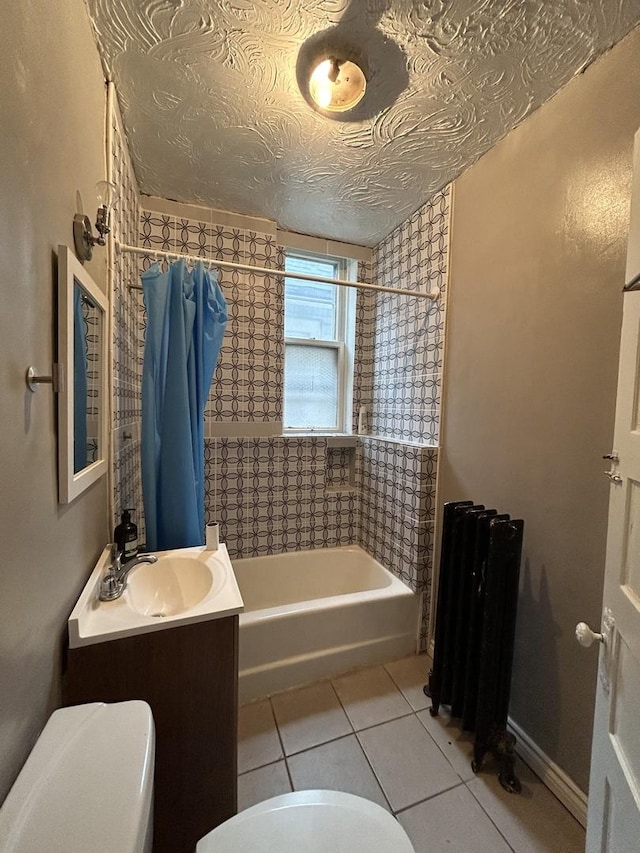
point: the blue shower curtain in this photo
(186, 319)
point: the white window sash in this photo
(340, 390)
(345, 332)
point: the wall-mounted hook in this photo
(56, 380)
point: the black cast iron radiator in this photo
(475, 628)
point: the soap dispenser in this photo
(126, 536)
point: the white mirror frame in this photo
(70, 485)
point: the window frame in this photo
(344, 343)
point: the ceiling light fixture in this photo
(337, 85)
(352, 71)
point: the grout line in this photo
(284, 755)
(384, 722)
(366, 757)
(426, 655)
(375, 775)
(491, 820)
(381, 722)
(459, 784)
(260, 767)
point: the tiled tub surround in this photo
(127, 338)
(397, 493)
(408, 334)
(272, 495)
(275, 494)
(247, 384)
(401, 340)
(397, 483)
(316, 614)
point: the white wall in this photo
(537, 265)
(51, 145)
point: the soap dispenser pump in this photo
(126, 536)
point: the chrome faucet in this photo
(114, 582)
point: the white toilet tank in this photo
(87, 786)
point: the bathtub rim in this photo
(396, 588)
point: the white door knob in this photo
(585, 636)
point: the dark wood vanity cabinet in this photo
(189, 677)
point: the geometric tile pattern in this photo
(248, 381)
(408, 334)
(276, 494)
(397, 493)
(128, 331)
(396, 484)
(270, 496)
(399, 348)
(340, 462)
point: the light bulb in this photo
(107, 194)
(337, 85)
(320, 85)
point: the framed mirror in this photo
(83, 401)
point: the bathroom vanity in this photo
(184, 663)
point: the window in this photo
(319, 333)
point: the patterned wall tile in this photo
(397, 491)
(271, 494)
(408, 333)
(158, 231)
(340, 462)
(193, 238)
(127, 365)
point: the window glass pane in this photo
(310, 387)
(310, 307)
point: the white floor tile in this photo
(408, 764)
(410, 675)
(370, 697)
(452, 822)
(309, 716)
(532, 822)
(337, 766)
(456, 745)
(258, 741)
(262, 784)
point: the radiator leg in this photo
(479, 750)
(502, 744)
(433, 693)
(506, 756)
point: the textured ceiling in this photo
(214, 114)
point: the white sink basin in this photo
(172, 585)
(183, 586)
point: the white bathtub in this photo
(314, 614)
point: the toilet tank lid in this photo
(87, 786)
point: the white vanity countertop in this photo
(94, 621)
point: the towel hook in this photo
(56, 380)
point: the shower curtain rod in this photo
(360, 285)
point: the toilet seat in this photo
(312, 822)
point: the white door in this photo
(613, 822)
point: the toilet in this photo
(309, 821)
(87, 787)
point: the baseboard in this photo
(565, 789)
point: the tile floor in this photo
(370, 733)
